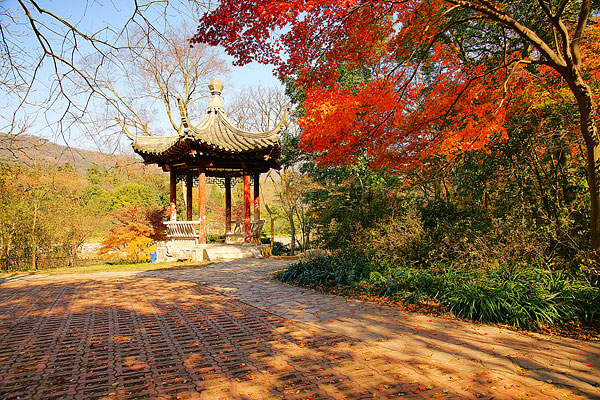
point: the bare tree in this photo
(260, 109)
(45, 57)
(11, 131)
(291, 187)
(142, 84)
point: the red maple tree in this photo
(403, 80)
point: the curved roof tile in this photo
(214, 130)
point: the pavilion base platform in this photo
(189, 250)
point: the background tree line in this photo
(49, 212)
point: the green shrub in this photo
(135, 195)
(520, 297)
(96, 200)
(280, 249)
(216, 238)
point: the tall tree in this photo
(142, 86)
(436, 76)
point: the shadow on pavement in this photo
(158, 334)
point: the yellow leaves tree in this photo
(133, 237)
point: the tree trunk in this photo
(593, 160)
(272, 218)
(589, 131)
(292, 232)
(304, 228)
(33, 238)
(33, 253)
(272, 231)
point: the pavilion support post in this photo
(247, 208)
(256, 196)
(184, 193)
(189, 183)
(173, 196)
(227, 204)
(202, 204)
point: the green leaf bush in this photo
(521, 297)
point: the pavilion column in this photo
(202, 204)
(189, 183)
(227, 204)
(184, 193)
(173, 197)
(247, 208)
(256, 196)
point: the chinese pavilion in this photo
(213, 148)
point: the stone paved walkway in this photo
(229, 331)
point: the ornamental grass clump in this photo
(410, 285)
(324, 270)
(523, 297)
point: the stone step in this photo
(206, 252)
(231, 252)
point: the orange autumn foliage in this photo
(422, 96)
(136, 229)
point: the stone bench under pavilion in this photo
(217, 149)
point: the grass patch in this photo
(103, 267)
(525, 298)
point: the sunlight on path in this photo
(239, 334)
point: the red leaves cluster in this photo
(358, 117)
(396, 115)
(462, 112)
(245, 28)
(150, 217)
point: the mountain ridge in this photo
(29, 150)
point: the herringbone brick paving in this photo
(159, 335)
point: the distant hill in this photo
(28, 150)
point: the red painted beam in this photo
(227, 204)
(173, 196)
(256, 197)
(202, 204)
(247, 208)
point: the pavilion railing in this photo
(183, 229)
(191, 230)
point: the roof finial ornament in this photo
(216, 87)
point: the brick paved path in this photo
(239, 334)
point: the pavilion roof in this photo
(215, 133)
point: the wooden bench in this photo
(183, 230)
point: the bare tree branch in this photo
(57, 68)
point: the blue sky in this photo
(253, 75)
(91, 16)
(96, 14)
